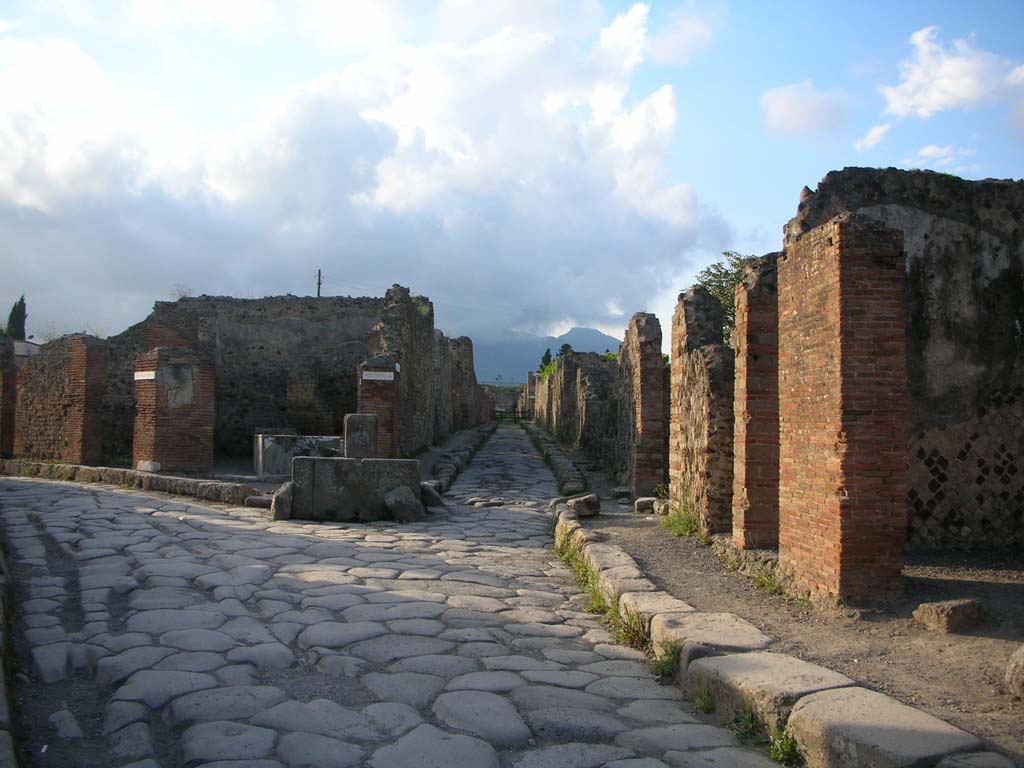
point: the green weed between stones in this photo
(783, 749)
(702, 700)
(667, 662)
(630, 630)
(681, 521)
(745, 725)
(768, 581)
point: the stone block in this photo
(858, 728)
(404, 506)
(1015, 674)
(976, 760)
(764, 684)
(950, 615)
(649, 604)
(705, 634)
(281, 502)
(273, 454)
(360, 436)
(644, 505)
(586, 506)
(349, 489)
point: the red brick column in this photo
(648, 460)
(842, 410)
(379, 395)
(755, 495)
(174, 416)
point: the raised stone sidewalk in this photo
(154, 632)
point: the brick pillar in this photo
(755, 494)
(174, 416)
(378, 395)
(8, 390)
(648, 459)
(843, 410)
(701, 422)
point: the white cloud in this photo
(935, 156)
(799, 109)
(458, 169)
(683, 35)
(941, 77)
(872, 138)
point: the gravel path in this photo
(154, 633)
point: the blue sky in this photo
(528, 165)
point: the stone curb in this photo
(835, 723)
(233, 494)
(448, 467)
(8, 756)
(570, 480)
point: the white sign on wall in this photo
(378, 376)
(145, 375)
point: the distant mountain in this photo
(511, 357)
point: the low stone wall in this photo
(273, 454)
(234, 494)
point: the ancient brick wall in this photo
(596, 406)
(441, 380)
(58, 412)
(380, 396)
(701, 418)
(8, 392)
(174, 393)
(965, 343)
(842, 410)
(542, 403)
(641, 442)
(755, 496)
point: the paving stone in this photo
(131, 742)
(332, 634)
(620, 668)
(159, 621)
(265, 656)
(655, 711)
(383, 650)
(51, 662)
(574, 755)
(436, 664)
(413, 688)
(229, 703)
(566, 724)
(856, 727)
(198, 661)
(118, 714)
(680, 737)
(392, 718)
(306, 750)
(975, 760)
(225, 741)
(320, 716)
(430, 747)
(155, 689)
(65, 724)
(496, 682)
(636, 762)
(113, 669)
(487, 715)
(571, 656)
(632, 688)
(764, 684)
(530, 697)
(341, 666)
(198, 640)
(724, 757)
(519, 664)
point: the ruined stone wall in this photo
(119, 396)
(406, 329)
(701, 421)
(527, 397)
(8, 392)
(755, 497)
(640, 447)
(174, 392)
(465, 389)
(965, 343)
(280, 361)
(542, 403)
(441, 379)
(58, 413)
(596, 406)
(842, 410)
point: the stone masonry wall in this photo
(641, 441)
(58, 412)
(755, 496)
(380, 396)
(465, 389)
(701, 422)
(8, 392)
(174, 392)
(441, 379)
(965, 343)
(280, 361)
(596, 407)
(842, 410)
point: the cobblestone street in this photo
(153, 632)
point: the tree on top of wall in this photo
(564, 350)
(16, 320)
(720, 279)
(545, 358)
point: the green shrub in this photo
(782, 748)
(667, 662)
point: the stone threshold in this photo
(727, 661)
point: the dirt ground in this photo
(956, 677)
